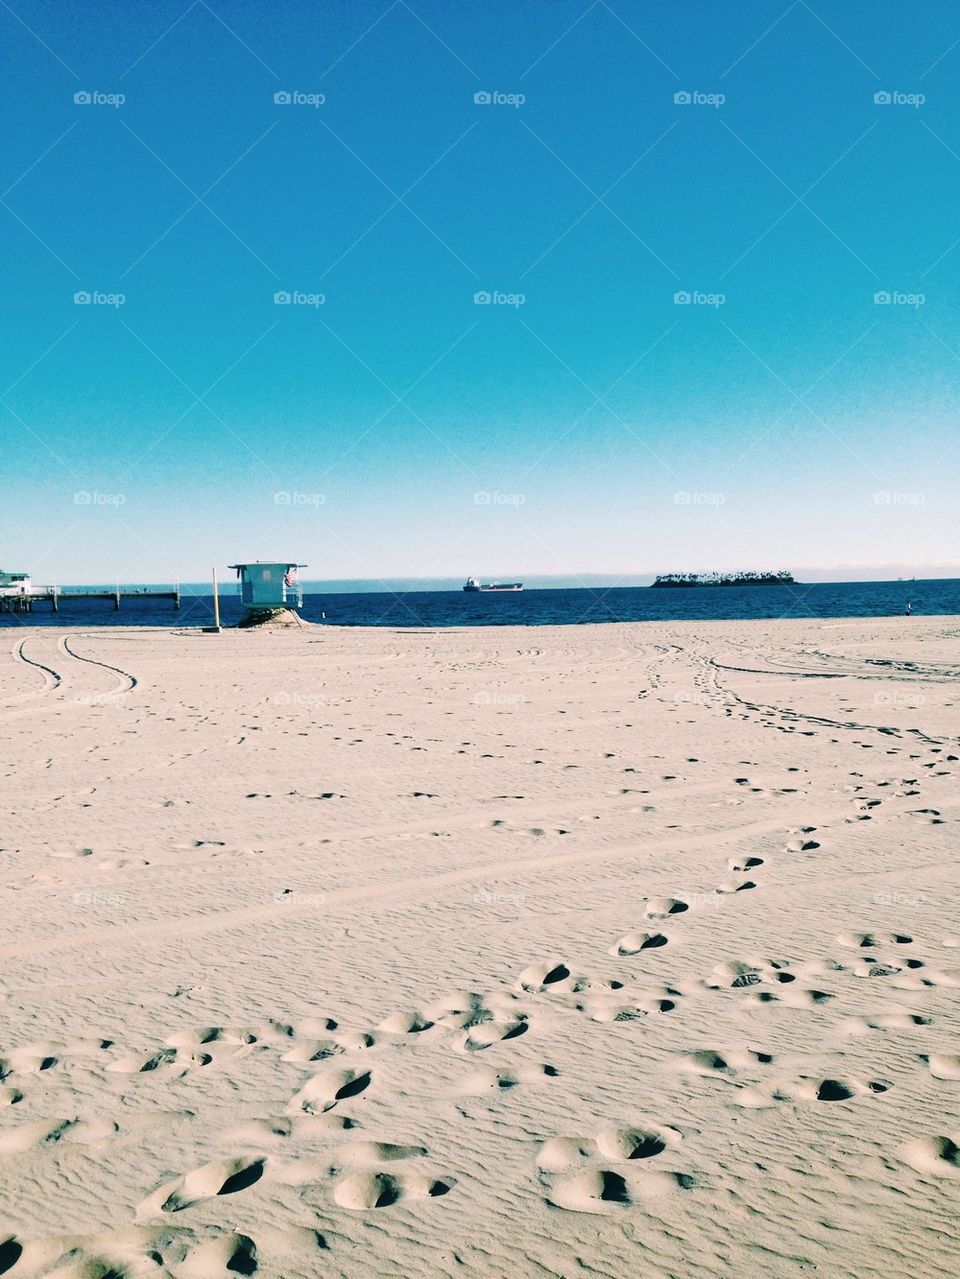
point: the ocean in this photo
(557, 607)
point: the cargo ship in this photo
(472, 584)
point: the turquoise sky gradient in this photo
(399, 428)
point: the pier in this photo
(24, 601)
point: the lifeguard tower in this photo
(269, 585)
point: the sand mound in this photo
(272, 618)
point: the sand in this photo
(607, 950)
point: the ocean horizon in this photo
(534, 606)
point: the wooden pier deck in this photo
(55, 597)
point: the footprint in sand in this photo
(634, 943)
(713, 1063)
(744, 863)
(322, 1092)
(661, 907)
(807, 1089)
(363, 1191)
(611, 1142)
(731, 885)
(405, 1023)
(221, 1177)
(220, 1258)
(943, 1065)
(487, 1033)
(933, 1156)
(887, 1021)
(601, 1190)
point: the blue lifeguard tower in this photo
(269, 585)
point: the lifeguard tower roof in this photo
(270, 584)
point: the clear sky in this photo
(583, 420)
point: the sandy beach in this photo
(607, 950)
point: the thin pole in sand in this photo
(215, 628)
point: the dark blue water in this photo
(535, 607)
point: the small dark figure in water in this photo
(909, 609)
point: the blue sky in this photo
(584, 420)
